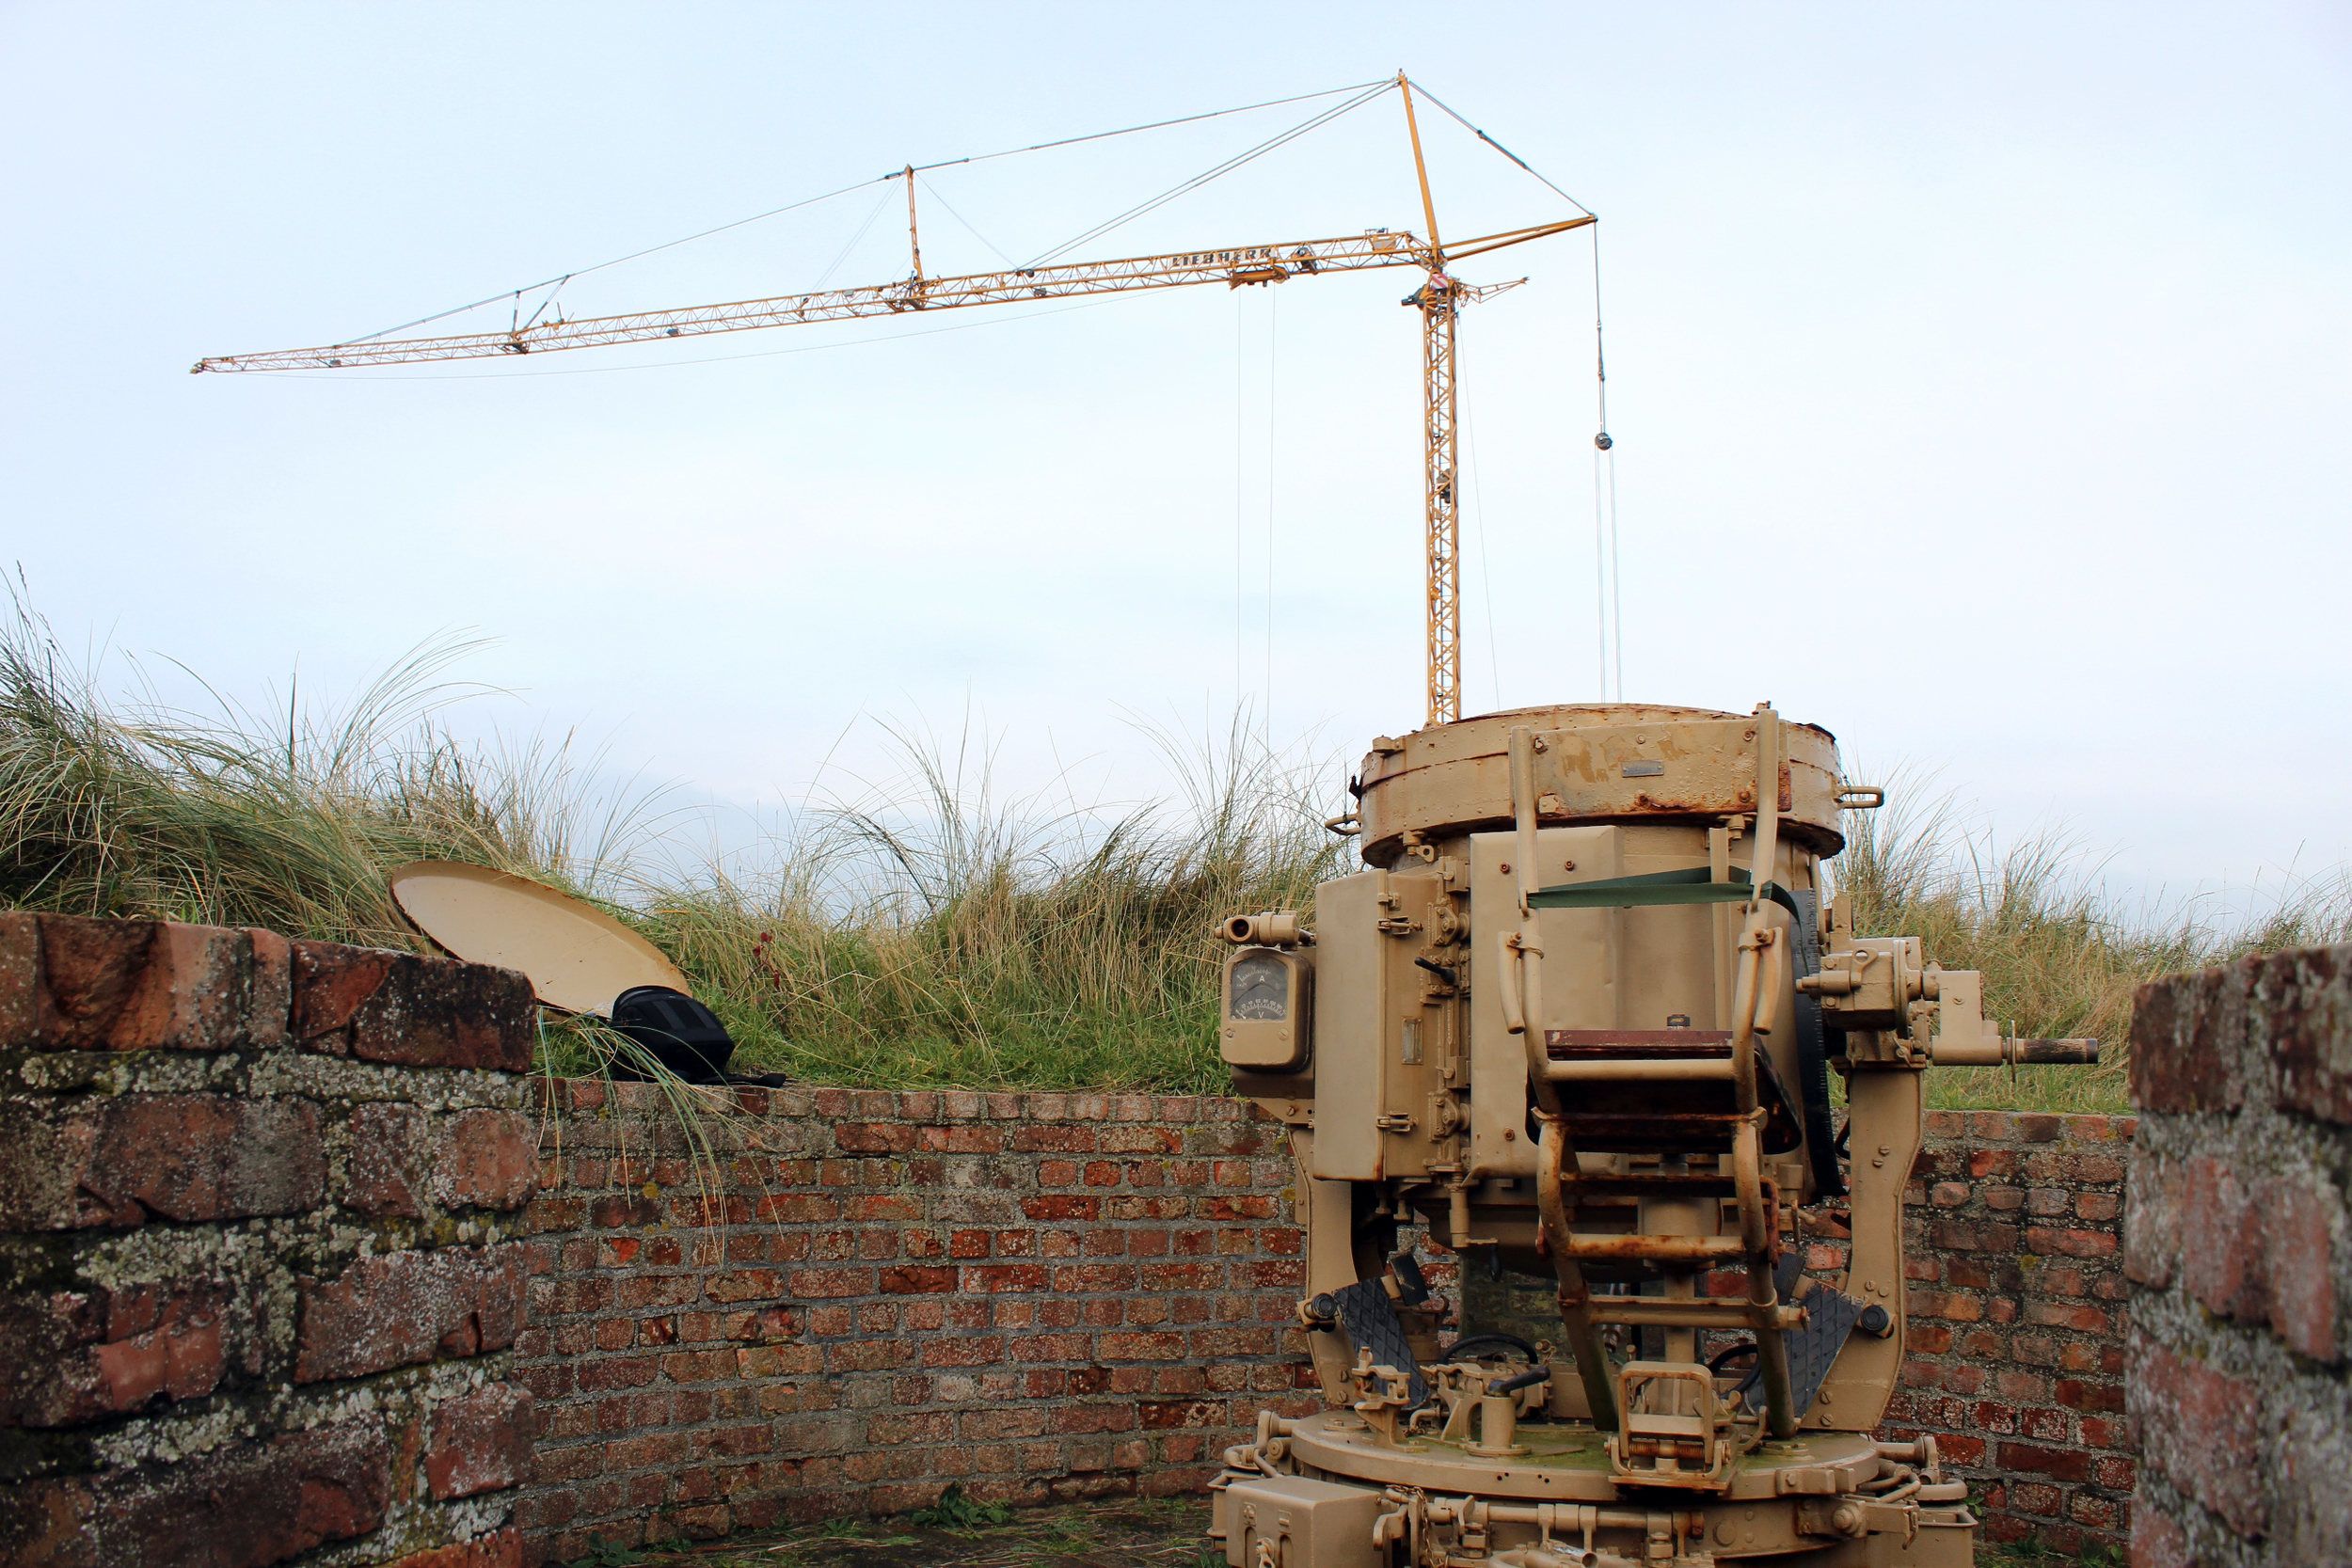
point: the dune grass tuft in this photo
(931, 934)
(2059, 958)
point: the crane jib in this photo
(1233, 265)
(1237, 267)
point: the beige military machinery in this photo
(1577, 1023)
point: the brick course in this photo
(1038, 1295)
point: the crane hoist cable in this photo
(859, 184)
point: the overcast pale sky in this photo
(1980, 374)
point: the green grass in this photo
(2059, 958)
(934, 934)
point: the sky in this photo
(1980, 378)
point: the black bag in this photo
(675, 1030)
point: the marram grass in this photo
(933, 935)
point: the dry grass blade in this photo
(2058, 958)
(927, 932)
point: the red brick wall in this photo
(2238, 1248)
(2017, 1310)
(1061, 1295)
(257, 1273)
(269, 1285)
(1038, 1295)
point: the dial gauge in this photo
(1261, 988)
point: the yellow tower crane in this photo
(1440, 300)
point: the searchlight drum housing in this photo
(1575, 1022)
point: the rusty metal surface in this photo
(1594, 764)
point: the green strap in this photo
(1692, 886)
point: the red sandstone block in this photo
(915, 1279)
(481, 1443)
(1142, 1140)
(392, 1159)
(2099, 1207)
(764, 1284)
(74, 1356)
(416, 1011)
(860, 1137)
(1086, 1277)
(1007, 1277)
(698, 1366)
(2057, 1462)
(1961, 1451)
(488, 1160)
(269, 988)
(2157, 1542)
(2305, 996)
(2200, 1426)
(2077, 1394)
(1140, 1347)
(244, 1505)
(970, 1351)
(1054, 1137)
(118, 1161)
(2299, 1225)
(2083, 1320)
(2188, 1039)
(499, 1549)
(2046, 1426)
(2097, 1432)
(1991, 1161)
(2052, 1241)
(1166, 1415)
(1959, 1236)
(129, 985)
(404, 1308)
(2257, 1249)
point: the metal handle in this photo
(1344, 825)
(1850, 796)
(1508, 980)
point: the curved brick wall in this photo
(294, 1263)
(1039, 1295)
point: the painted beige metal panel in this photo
(1296, 1522)
(1413, 1024)
(1351, 957)
(578, 957)
(1580, 979)
(1668, 951)
(1862, 1380)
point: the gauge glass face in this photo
(1262, 988)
